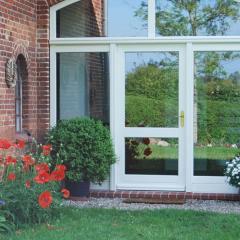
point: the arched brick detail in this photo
(21, 47)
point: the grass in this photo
(103, 224)
(213, 153)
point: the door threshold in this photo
(164, 195)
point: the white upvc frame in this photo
(56, 7)
(53, 16)
(211, 184)
(53, 71)
(151, 19)
(113, 46)
(149, 182)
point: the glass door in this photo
(150, 93)
(216, 114)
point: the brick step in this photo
(164, 195)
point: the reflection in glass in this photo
(151, 156)
(84, 18)
(196, 18)
(83, 85)
(123, 20)
(217, 112)
(151, 89)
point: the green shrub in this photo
(84, 146)
(151, 100)
(151, 112)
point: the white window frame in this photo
(111, 45)
(213, 184)
(150, 182)
(55, 8)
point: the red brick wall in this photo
(43, 115)
(24, 29)
(17, 36)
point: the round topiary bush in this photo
(85, 147)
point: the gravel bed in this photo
(198, 205)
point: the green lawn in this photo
(214, 153)
(102, 224)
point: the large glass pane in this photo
(196, 18)
(83, 85)
(84, 18)
(124, 20)
(151, 89)
(151, 156)
(217, 111)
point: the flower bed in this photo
(30, 189)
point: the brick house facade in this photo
(24, 30)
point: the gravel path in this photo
(199, 205)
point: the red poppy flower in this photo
(147, 151)
(11, 176)
(45, 199)
(42, 177)
(42, 167)
(61, 167)
(57, 175)
(10, 160)
(146, 141)
(65, 193)
(28, 184)
(28, 161)
(5, 144)
(20, 144)
(47, 149)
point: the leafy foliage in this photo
(24, 176)
(6, 222)
(152, 94)
(193, 17)
(232, 172)
(84, 145)
(151, 99)
(23, 204)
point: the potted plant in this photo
(85, 147)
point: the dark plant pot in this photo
(78, 189)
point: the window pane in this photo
(197, 18)
(217, 112)
(81, 19)
(151, 156)
(151, 89)
(83, 85)
(127, 18)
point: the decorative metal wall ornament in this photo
(11, 73)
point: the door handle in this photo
(182, 118)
